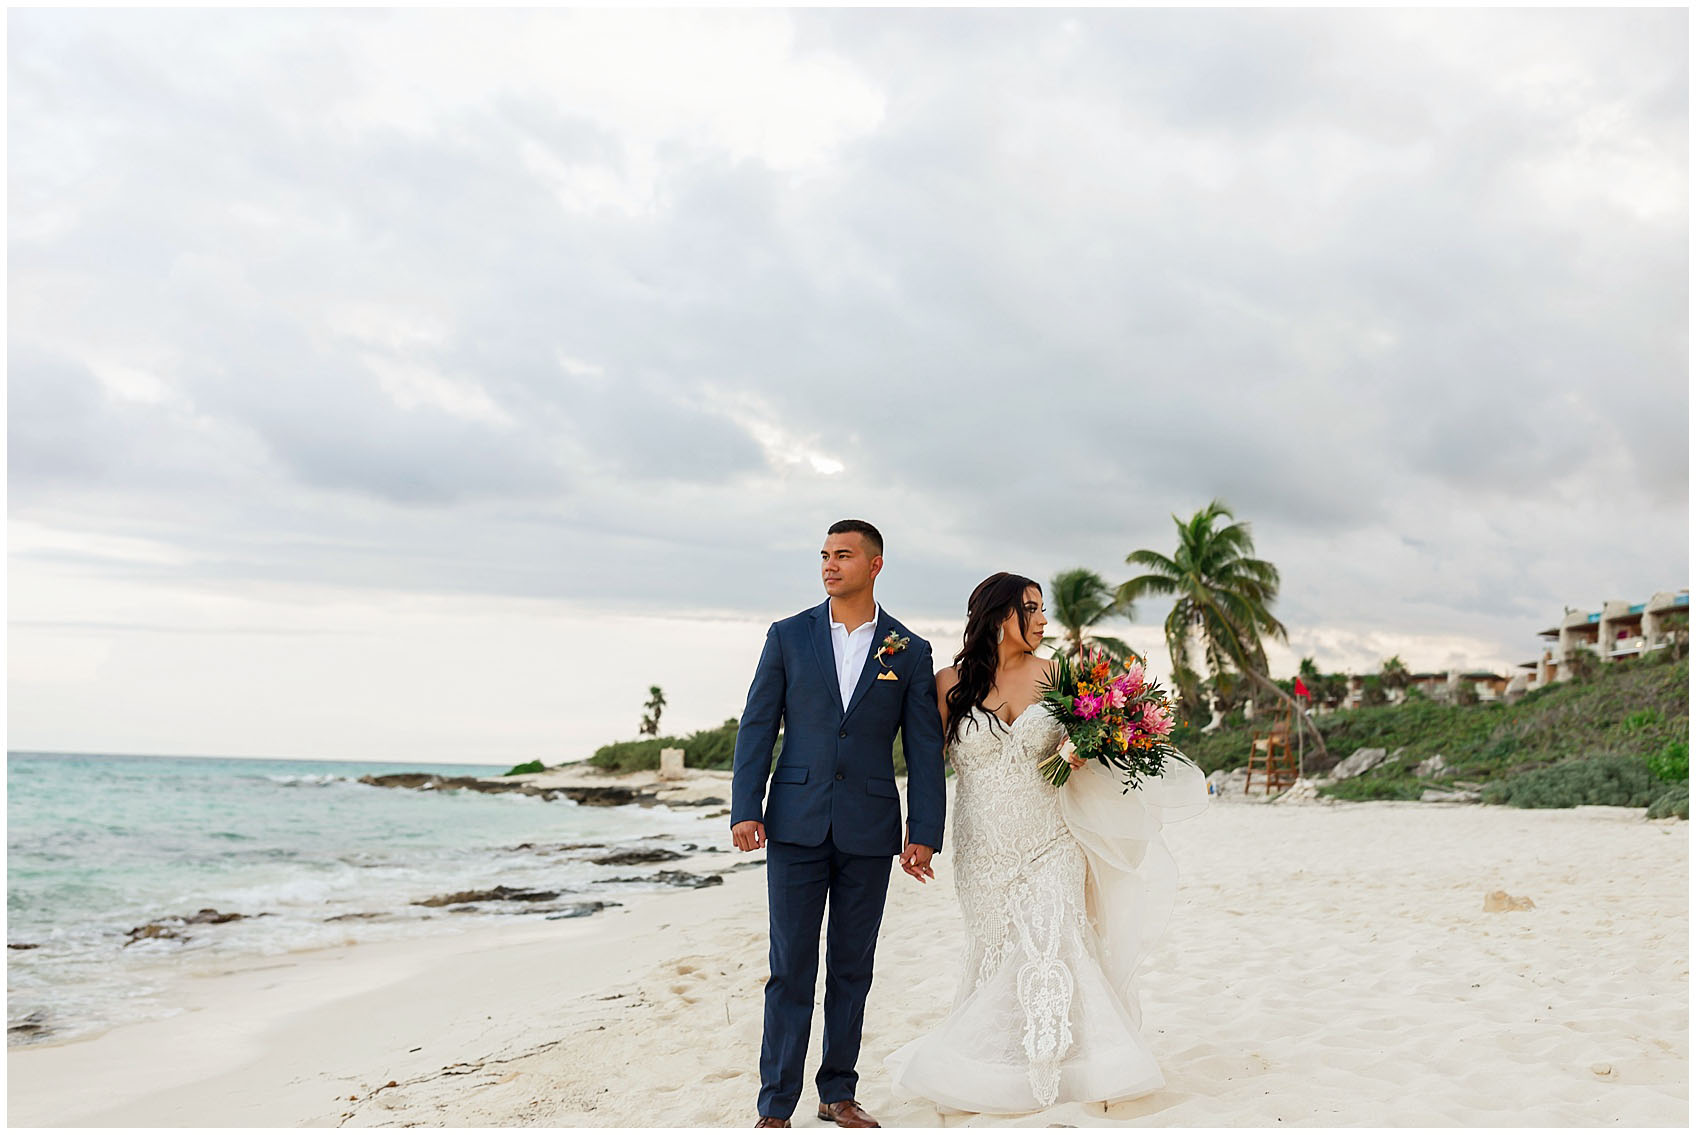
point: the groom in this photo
(840, 679)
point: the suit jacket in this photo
(836, 774)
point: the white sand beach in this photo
(1327, 965)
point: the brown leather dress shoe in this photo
(771, 1121)
(846, 1113)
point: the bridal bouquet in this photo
(1122, 720)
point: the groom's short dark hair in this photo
(871, 535)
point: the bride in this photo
(1063, 890)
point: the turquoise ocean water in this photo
(97, 845)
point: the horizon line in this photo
(11, 752)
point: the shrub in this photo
(527, 766)
(1374, 788)
(1620, 781)
(1672, 762)
(629, 756)
(1583, 665)
(1640, 719)
(705, 748)
(1674, 803)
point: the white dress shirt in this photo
(852, 648)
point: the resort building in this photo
(1619, 630)
(1440, 687)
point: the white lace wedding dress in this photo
(1063, 891)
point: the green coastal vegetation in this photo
(527, 766)
(705, 748)
(1618, 736)
(1614, 734)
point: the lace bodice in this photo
(1004, 813)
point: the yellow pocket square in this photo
(888, 676)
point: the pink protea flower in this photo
(1087, 706)
(1133, 678)
(1118, 693)
(1156, 719)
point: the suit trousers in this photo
(799, 880)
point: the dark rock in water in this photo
(170, 925)
(23, 945)
(350, 917)
(497, 894)
(31, 1026)
(601, 795)
(402, 780)
(636, 855)
(155, 930)
(671, 879)
(703, 802)
(557, 847)
(607, 796)
(579, 910)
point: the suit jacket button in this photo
(839, 776)
(844, 733)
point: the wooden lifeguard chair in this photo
(1270, 754)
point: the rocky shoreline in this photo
(633, 866)
(582, 784)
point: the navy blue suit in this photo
(832, 820)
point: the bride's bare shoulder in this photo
(946, 677)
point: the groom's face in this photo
(847, 564)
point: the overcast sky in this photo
(424, 385)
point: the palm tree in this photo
(1080, 599)
(1222, 598)
(1392, 672)
(655, 706)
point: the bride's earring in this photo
(1000, 633)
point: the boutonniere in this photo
(892, 646)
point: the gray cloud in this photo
(1408, 290)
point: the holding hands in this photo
(915, 860)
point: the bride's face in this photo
(1036, 622)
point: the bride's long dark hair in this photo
(991, 602)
